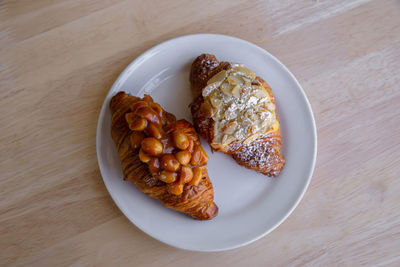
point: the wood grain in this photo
(59, 58)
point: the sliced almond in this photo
(236, 91)
(247, 80)
(219, 77)
(226, 88)
(215, 102)
(235, 79)
(224, 138)
(230, 128)
(259, 91)
(245, 71)
(270, 106)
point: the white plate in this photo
(250, 204)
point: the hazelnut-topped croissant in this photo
(235, 112)
(162, 156)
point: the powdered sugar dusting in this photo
(238, 104)
(259, 154)
(211, 64)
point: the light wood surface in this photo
(59, 58)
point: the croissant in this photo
(161, 156)
(235, 112)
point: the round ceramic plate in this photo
(250, 204)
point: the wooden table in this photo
(59, 58)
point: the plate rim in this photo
(124, 75)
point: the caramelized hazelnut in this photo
(157, 108)
(154, 165)
(181, 141)
(129, 117)
(147, 98)
(152, 146)
(137, 124)
(175, 188)
(148, 113)
(138, 104)
(197, 175)
(170, 163)
(191, 145)
(167, 176)
(196, 156)
(186, 175)
(136, 139)
(183, 157)
(143, 156)
(204, 156)
(153, 130)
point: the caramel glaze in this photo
(147, 171)
(154, 134)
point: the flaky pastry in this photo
(162, 156)
(235, 111)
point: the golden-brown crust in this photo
(263, 154)
(203, 124)
(196, 201)
(203, 68)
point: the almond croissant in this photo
(162, 156)
(235, 112)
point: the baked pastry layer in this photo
(157, 171)
(235, 112)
